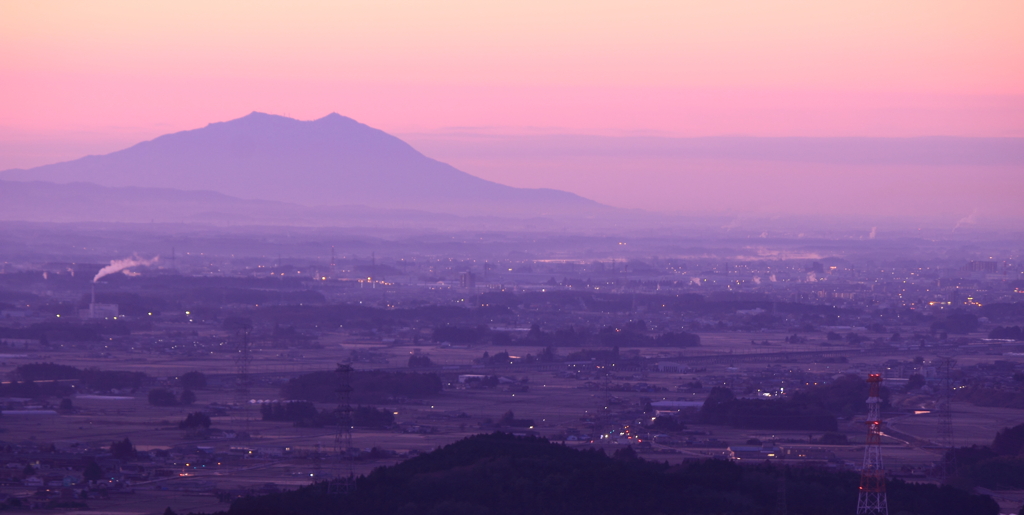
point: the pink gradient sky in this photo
(93, 77)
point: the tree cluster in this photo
(598, 355)
(915, 381)
(956, 323)
(92, 378)
(998, 466)
(165, 397)
(565, 337)
(302, 413)
(420, 361)
(193, 380)
(494, 360)
(842, 397)
(195, 421)
(509, 420)
(367, 386)
(996, 311)
(992, 397)
(34, 390)
(487, 381)
(305, 414)
(721, 407)
(631, 334)
(122, 449)
(667, 424)
(63, 331)
(1007, 333)
(461, 335)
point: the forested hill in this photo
(500, 474)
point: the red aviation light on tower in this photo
(871, 500)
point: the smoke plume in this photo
(970, 219)
(118, 265)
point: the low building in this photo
(754, 452)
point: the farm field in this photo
(280, 454)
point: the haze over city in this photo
(512, 257)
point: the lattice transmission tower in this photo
(872, 500)
(343, 480)
(243, 380)
(947, 466)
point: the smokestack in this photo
(92, 302)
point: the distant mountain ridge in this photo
(47, 202)
(332, 161)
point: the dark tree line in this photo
(997, 466)
(70, 331)
(1007, 333)
(34, 390)
(282, 308)
(631, 334)
(122, 449)
(499, 474)
(305, 414)
(721, 407)
(678, 303)
(956, 323)
(165, 397)
(814, 408)
(461, 335)
(302, 413)
(367, 386)
(1003, 310)
(196, 420)
(193, 380)
(92, 378)
(843, 397)
(195, 423)
(992, 397)
(420, 361)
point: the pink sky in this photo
(685, 68)
(93, 77)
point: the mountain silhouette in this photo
(332, 161)
(39, 201)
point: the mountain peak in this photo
(337, 119)
(331, 161)
(257, 116)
